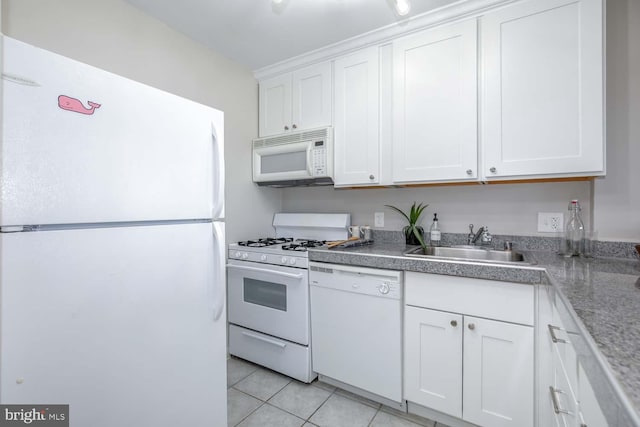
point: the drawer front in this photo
(283, 356)
(509, 302)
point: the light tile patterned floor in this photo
(259, 397)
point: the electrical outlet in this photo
(378, 219)
(550, 222)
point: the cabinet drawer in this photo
(509, 302)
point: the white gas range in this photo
(268, 292)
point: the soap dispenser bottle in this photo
(434, 232)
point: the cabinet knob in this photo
(454, 323)
(286, 128)
(294, 126)
(372, 177)
(469, 172)
(472, 326)
(493, 169)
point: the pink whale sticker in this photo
(72, 104)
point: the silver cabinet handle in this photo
(469, 172)
(454, 323)
(286, 127)
(472, 326)
(372, 177)
(493, 169)
(556, 405)
(554, 338)
(294, 126)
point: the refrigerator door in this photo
(81, 145)
(120, 323)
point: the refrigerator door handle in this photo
(218, 174)
(219, 272)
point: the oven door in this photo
(269, 299)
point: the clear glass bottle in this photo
(574, 230)
(434, 232)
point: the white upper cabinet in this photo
(296, 101)
(542, 77)
(435, 105)
(356, 121)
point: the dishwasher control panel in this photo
(360, 280)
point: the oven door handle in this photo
(265, 270)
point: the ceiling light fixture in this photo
(402, 7)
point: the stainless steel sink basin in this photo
(468, 253)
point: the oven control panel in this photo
(276, 259)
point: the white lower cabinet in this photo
(463, 364)
(433, 359)
(566, 397)
(498, 373)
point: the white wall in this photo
(504, 208)
(113, 35)
(617, 198)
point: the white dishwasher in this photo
(356, 329)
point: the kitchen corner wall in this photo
(115, 36)
(617, 198)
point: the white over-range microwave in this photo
(295, 159)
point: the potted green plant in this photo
(413, 232)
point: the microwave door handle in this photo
(265, 270)
(309, 160)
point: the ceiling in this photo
(257, 33)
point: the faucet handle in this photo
(486, 236)
(471, 235)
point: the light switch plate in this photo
(378, 219)
(550, 222)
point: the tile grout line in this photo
(322, 404)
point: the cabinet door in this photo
(543, 89)
(435, 105)
(433, 359)
(498, 373)
(311, 94)
(590, 412)
(275, 105)
(356, 123)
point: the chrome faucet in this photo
(483, 234)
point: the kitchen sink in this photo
(468, 253)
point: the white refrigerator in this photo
(112, 278)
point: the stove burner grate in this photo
(302, 245)
(265, 241)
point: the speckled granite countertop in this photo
(601, 295)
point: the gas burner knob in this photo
(384, 288)
(284, 260)
(245, 255)
(292, 261)
(263, 258)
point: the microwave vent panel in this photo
(320, 134)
